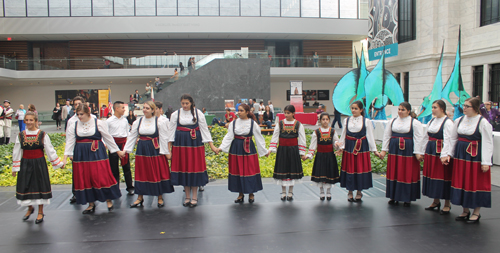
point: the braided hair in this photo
(188, 97)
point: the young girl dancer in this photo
(402, 138)
(244, 171)
(325, 170)
(357, 141)
(436, 181)
(290, 135)
(188, 133)
(33, 182)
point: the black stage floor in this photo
(269, 225)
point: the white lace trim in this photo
(291, 182)
(33, 202)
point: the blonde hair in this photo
(30, 113)
(83, 108)
(152, 105)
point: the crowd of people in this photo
(456, 155)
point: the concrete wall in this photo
(219, 80)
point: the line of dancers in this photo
(457, 156)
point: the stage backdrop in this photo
(90, 95)
(383, 28)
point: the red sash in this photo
(401, 141)
(154, 140)
(325, 148)
(289, 142)
(192, 131)
(120, 141)
(246, 142)
(32, 153)
(473, 146)
(95, 143)
(357, 146)
(439, 144)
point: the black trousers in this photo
(65, 124)
(115, 169)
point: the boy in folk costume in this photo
(6, 119)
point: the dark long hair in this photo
(360, 106)
(191, 100)
(290, 108)
(247, 110)
(441, 104)
(324, 114)
(475, 102)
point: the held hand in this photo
(445, 160)
(339, 152)
(382, 155)
(338, 144)
(419, 157)
(304, 157)
(14, 173)
(377, 153)
(268, 153)
(485, 168)
(169, 156)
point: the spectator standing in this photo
(136, 97)
(491, 114)
(95, 111)
(316, 60)
(337, 118)
(189, 64)
(158, 83)
(271, 107)
(237, 105)
(181, 66)
(148, 91)
(56, 115)
(65, 112)
(20, 117)
(256, 109)
(104, 112)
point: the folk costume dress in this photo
(33, 182)
(289, 143)
(325, 168)
(436, 180)
(244, 171)
(152, 175)
(357, 142)
(92, 176)
(188, 153)
(402, 139)
(471, 144)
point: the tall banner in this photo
(103, 98)
(296, 101)
(383, 29)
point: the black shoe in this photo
(251, 198)
(72, 200)
(191, 204)
(322, 196)
(474, 221)
(393, 202)
(431, 208)
(89, 211)
(442, 212)
(283, 196)
(406, 204)
(161, 205)
(28, 216)
(350, 199)
(201, 188)
(130, 192)
(240, 200)
(186, 203)
(328, 196)
(38, 221)
(289, 197)
(110, 208)
(137, 204)
(360, 196)
(463, 218)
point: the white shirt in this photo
(468, 127)
(355, 125)
(148, 127)
(118, 127)
(314, 141)
(433, 127)
(186, 119)
(243, 128)
(403, 125)
(271, 108)
(74, 119)
(17, 153)
(20, 114)
(87, 129)
(276, 137)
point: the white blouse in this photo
(355, 125)
(276, 137)
(47, 145)
(87, 129)
(314, 141)
(148, 127)
(433, 127)
(118, 127)
(403, 125)
(186, 118)
(243, 128)
(468, 127)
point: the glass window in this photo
(250, 8)
(124, 8)
(329, 8)
(145, 8)
(167, 7)
(102, 7)
(229, 7)
(363, 9)
(188, 8)
(310, 8)
(348, 9)
(290, 8)
(209, 7)
(490, 12)
(495, 82)
(407, 30)
(15, 8)
(37, 8)
(477, 82)
(270, 8)
(81, 8)
(58, 8)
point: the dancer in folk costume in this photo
(402, 139)
(152, 175)
(289, 134)
(93, 179)
(325, 171)
(244, 171)
(436, 181)
(471, 145)
(357, 141)
(189, 132)
(7, 121)
(33, 182)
